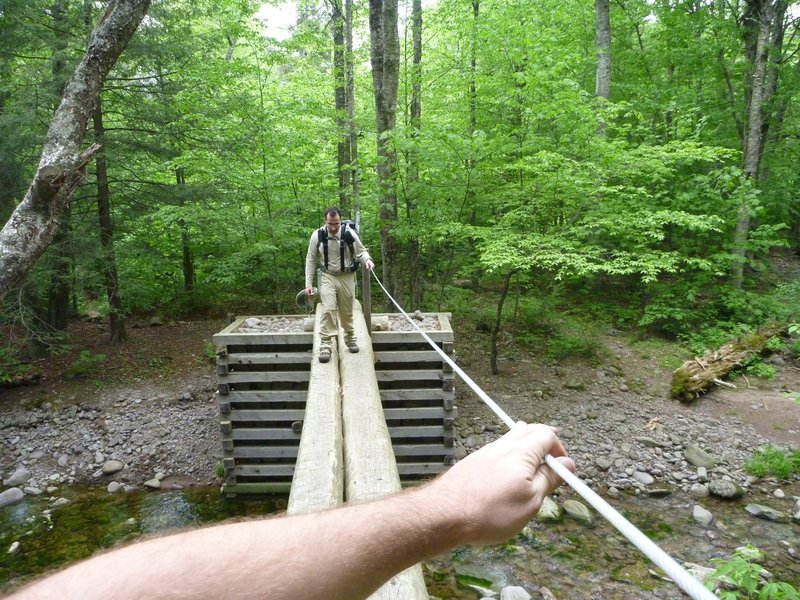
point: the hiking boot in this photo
(352, 346)
(324, 354)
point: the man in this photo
(341, 554)
(339, 251)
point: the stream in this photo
(571, 559)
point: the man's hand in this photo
(309, 291)
(500, 487)
(369, 265)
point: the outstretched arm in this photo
(311, 259)
(341, 554)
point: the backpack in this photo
(347, 237)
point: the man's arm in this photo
(311, 259)
(341, 554)
(360, 252)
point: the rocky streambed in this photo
(678, 469)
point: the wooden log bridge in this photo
(355, 428)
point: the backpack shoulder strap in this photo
(322, 238)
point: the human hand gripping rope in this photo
(691, 586)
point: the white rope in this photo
(674, 571)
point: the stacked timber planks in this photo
(265, 384)
(417, 393)
(263, 381)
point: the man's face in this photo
(333, 222)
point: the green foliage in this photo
(563, 346)
(756, 367)
(773, 461)
(210, 352)
(740, 577)
(84, 365)
(12, 367)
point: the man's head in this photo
(333, 219)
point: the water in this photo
(571, 559)
(95, 519)
(574, 560)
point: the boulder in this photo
(698, 457)
(701, 515)
(723, 488)
(765, 512)
(19, 476)
(11, 496)
(514, 592)
(112, 466)
(578, 511)
(549, 511)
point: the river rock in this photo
(32, 491)
(475, 577)
(152, 484)
(698, 457)
(114, 487)
(603, 463)
(701, 515)
(19, 476)
(578, 511)
(59, 502)
(643, 478)
(698, 490)
(723, 488)
(546, 594)
(648, 441)
(765, 512)
(513, 592)
(11, 496)
(699, 572)
(550, 510)
(112, 466)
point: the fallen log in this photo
(696, 376)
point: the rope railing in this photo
(682, 578)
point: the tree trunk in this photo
(33, 224)
(753, 142)
(340, 94)
(696, 376)
(59, 289)
(414, 269)
(775, 55)
(385, 58)
(116, 314)
(602, 86)
(187, 263)
(350, 102)
(498, 322)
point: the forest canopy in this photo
(640, 157)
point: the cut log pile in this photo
(697, 376)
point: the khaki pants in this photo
(337, 293)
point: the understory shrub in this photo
(84, 365)
(773, 461)
(739, 577)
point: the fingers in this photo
(539, 440)
(546, 481)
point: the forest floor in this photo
(174, 360)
